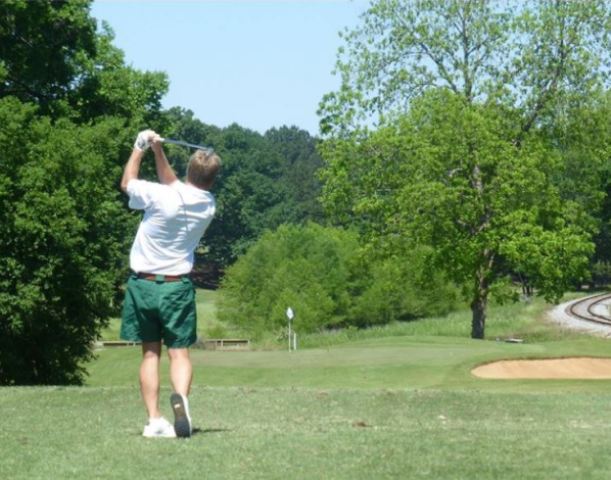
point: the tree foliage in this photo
(533, 55)
(68, 109)
(41, 44)
(449, 175)
(583, 138)
(106, 86)
(63, 242)
(53, 56)
(307, 269)
(470, 101)
(322, 273)
(301, 164)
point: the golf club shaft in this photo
(184, 144)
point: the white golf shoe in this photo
(182, 419)
(158, 428)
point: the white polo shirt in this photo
(175, 218)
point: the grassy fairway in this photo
(395, 403)
(394, 362)
(309, 433)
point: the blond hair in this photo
(202, 169)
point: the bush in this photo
(601, 273)
(328, 281)
(403, 287)
(307, 268)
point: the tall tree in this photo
(63, 237)
(41, 44)
(510, 70)
(301, 164)
(52, 55)
(66, 98)
(583, 136)
(533, 55)
(105, 86)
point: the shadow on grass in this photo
(198, 431)
(194, 432)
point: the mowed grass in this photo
(442, 363)
(396, 402)
(309, 433)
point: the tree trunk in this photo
(478, 308)
(478, 321)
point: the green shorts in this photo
(155, 311)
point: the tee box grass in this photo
(389, 403)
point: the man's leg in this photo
(181, 370)
(149, 377)
(181, 373)
(179, 319)
(157, 426)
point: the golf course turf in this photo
(401, 406)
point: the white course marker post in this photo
(290, 315)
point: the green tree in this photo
(41, 44)
(301, 164)
(63, 239)
(52, 55)
(403, 286)
(470, 166)
(325, 276)
(68, 110)
(533, 55)
(105, 86)
(584, 139)
(307, 268)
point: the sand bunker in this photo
(575, 368)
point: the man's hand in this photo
(156, 142)
(143, 140)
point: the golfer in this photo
(159, 302)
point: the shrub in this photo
(403, 287)
(601, 273)
(329, 282)
(307, 268)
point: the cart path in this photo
(589, 314)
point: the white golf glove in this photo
(143, 140)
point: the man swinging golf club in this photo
(160, 299)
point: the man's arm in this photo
(165, 173)
(132, 167)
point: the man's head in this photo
(202, 169)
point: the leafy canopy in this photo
(531, 55)
(329, 281)
(63, 239)
(464, 97)
(67, 107)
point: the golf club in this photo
(186, 144)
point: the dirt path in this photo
(559, 316)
